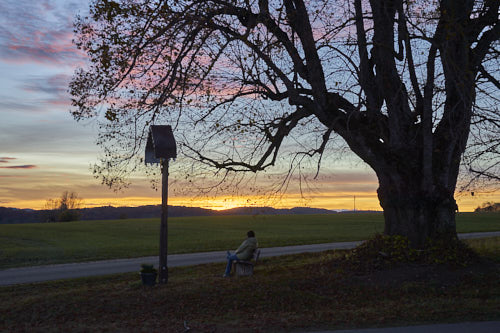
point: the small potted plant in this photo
(148, 275)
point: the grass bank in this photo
(289, 293)
(49, 243)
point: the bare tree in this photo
(63, 209)
(400, 82)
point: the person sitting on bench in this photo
(244, 252)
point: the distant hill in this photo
(14, 215)
(273, 211)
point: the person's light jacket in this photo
(246, 249)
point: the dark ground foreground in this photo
(465, 327)
(321, 291)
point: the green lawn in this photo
(33, 244)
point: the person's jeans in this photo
(230, 259)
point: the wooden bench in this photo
(245, 267)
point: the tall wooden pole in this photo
(162, 267)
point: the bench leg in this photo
(243, 269)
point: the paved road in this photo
(103, 267)
(67, 271)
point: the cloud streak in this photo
(55, 86)
(10, 159)
(26, 166)
(6, 159)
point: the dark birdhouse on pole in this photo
(161, 147)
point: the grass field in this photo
(47, 243)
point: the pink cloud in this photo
(43, 50)
(58, 102)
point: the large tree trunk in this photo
(411, 212)
(416, 162)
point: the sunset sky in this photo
(44, 152)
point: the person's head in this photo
(251, 233)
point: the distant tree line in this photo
(489, 207)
